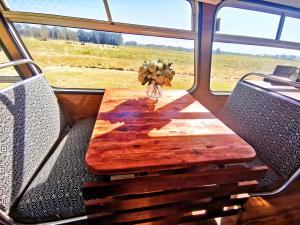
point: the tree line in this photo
(134, 43)
(44, 32)
(218, 51)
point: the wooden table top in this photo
(129, 137)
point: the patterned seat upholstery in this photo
(271, 179)
(41, 157)
(269, 122)
(30, 124)
(55, 192)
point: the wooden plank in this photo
(178, 133)
(168, 182)
(167, 197)
(209, 215)
(164, 211)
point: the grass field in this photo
(226, 70)
(96, 66)
(73, 65)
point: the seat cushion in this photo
(55, 192)
(30, 123)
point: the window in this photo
(8, 75)
(236, 21)
(77, 58)
(91, 9)
(159, 13)
(231, 61)
(291, 31)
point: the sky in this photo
(176, 15)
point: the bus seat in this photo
(55, 192)
(42, 158)
(270, 122)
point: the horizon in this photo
(224, 48)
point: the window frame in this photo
(266, 7)
(86, 89)
(282, 29)
(13, 47)
(15, 68)
(259, 7)
(98, 25)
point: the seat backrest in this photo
(30, 124)
(269, 121)
(285, 71)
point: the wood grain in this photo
(162, 213)
(79, 106)
(168, 182)
(179, 132)
(118, 203)
(169, 199)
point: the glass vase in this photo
(154, 91)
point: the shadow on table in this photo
(131, 128)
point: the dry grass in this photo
(73, 65)
(10, 71)
(92, 78)
(228, 69)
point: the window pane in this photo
(91, 9)
(291, 31)
(8, 75)
(231, 61)
(76, 58)
(243, 22)
(160, 13)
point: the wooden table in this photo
(182, 158)
(179, 132)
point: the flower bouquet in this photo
(155, 73)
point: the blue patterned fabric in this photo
(30, 124)
(55, 192)
(271, 179)
(269, 122)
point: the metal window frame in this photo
(107, 9)
(266, 7)
(259, 6)
(110, 26)
(13, 47)
(244, 40)
(91, 24)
